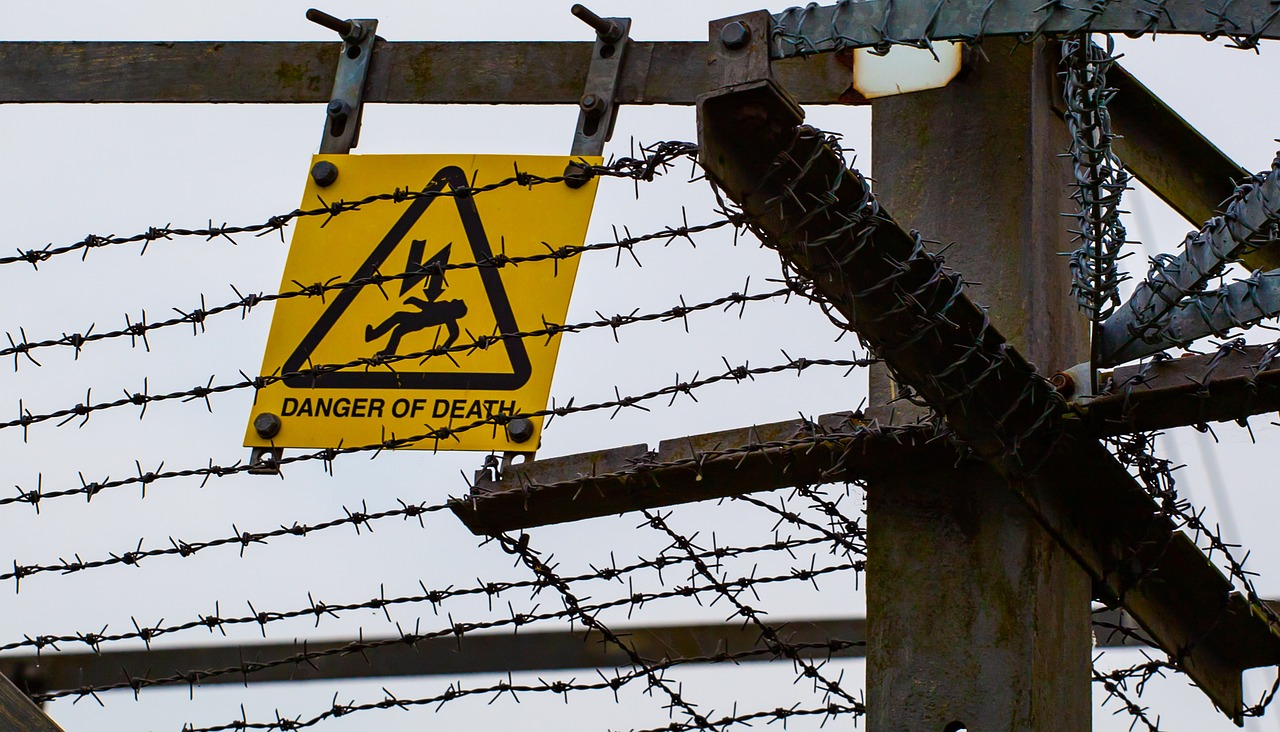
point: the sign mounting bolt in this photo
(324, 173)
(267, 425)
(520, 430)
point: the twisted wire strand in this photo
(655, 159)
(142, 399)
(34, 496)
(136, 330)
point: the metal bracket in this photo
(739, 49)
(265, 460)
(599, 106)
(346, 103)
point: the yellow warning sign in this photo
(414, 313)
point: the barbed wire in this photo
(831, 688)
(35, 496)
(845, 25)
(455, 629)
(545, 577)
(1250, 220)
(143, 398)
(197, 317)
(357, 519)
(654, 160)
(1137, 452)
(1117, 681)
(436, 597)
(509, 687)
(1100, 177)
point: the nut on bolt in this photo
(520, 430)
(267, 425)
(337, 110)
(735, 35)
(592, 104)
(324, 173)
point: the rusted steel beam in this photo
(1178, 164)
(836, 448)
(824, 222)
(421, 72)
(1231, 385)
(528, 650)
(17, 712)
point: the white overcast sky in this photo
(114, 169)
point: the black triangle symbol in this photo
(521, 369)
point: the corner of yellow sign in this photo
(905, 69)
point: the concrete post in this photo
(978, 619)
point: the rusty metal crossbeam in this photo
(834, 448)
(408, 72)
(1232, 384)
(1182, 167)
(528, 650)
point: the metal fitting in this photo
(576, 175)
(608, 30)
(593, 104)
(350, 30)
(267, 425)
(337, 111)
(520, 430)
(324, 173)
(735, 35)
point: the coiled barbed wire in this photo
(1100, 177)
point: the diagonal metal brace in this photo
(826, 224)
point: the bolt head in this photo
(324, 173)
(592, 103)
(520, 430)
(735, 35)
(336, 108)
(267, 425)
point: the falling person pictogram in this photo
(424, 314)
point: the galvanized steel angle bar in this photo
(598, 107)
(346, 103)
(1250, 221)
